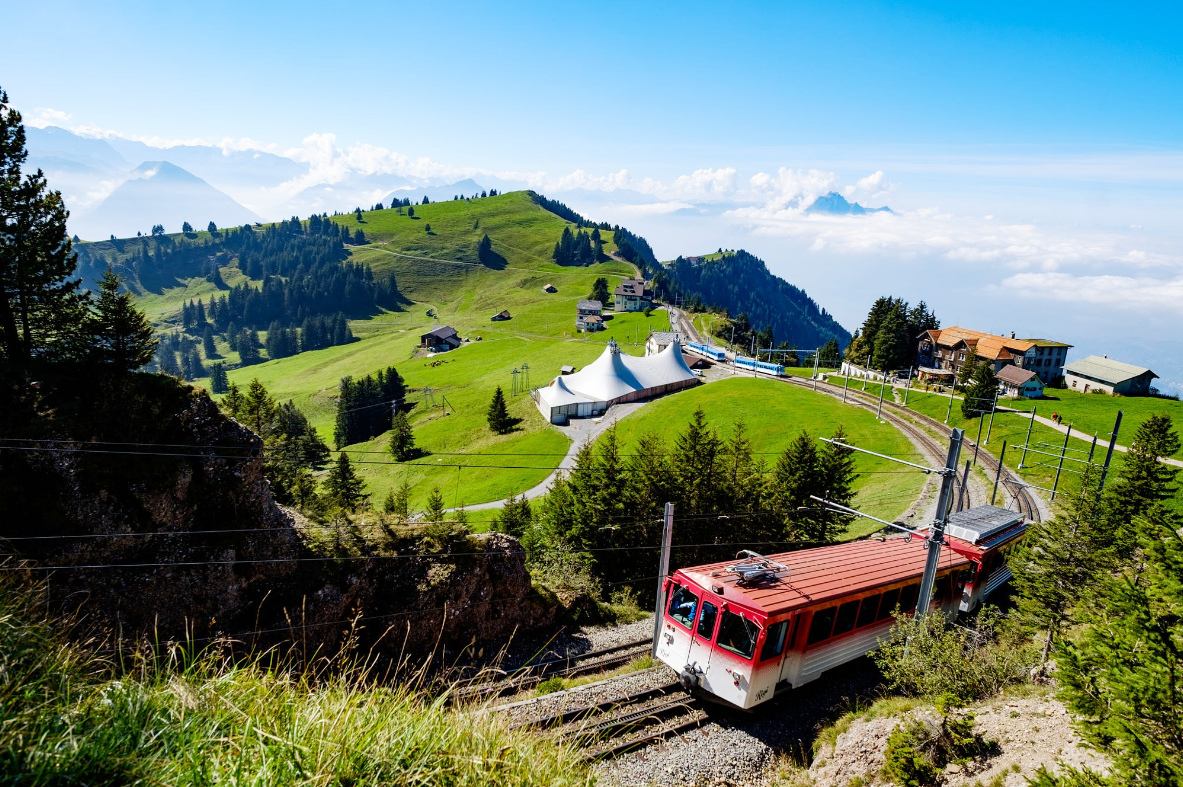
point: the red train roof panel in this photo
(822, 574)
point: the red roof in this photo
(825, 573)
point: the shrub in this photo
(931, 657)
(918, 751)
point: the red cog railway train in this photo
(743, 632)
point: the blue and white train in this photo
(763, 367)
(707, 351)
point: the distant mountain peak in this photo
(834, 204)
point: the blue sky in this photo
(1034, 155)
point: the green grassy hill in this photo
(439, 271)
(775, 413)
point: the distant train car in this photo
(763, 367)
(707, 351)
(743, 631)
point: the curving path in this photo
(580, 431)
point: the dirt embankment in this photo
(1030, 733)
(157, 547)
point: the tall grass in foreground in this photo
(67, 717)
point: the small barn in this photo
(1018, 383)
(1102, 373)
(549, 288)
(440, 339)
(501, 316)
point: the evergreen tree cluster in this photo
(293, 449)
(579, 248)
(889, 335)
(718, 486)
(1102, 581)
(630, 246)
(740, 283)
(365, 407)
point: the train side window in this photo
(706, 621)
(866, 613)
(886, 607)
(844, 621)
(823, 623)
(683, 605)
(774, 640)
(908, 596)
(738, 634)
(940, 589)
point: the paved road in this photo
(580, 430)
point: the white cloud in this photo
(873, 187)
(650, 209)
(1129, 292)
(44, 116)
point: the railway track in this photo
(905, 420)
(500, 683)
(607, 729)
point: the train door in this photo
(680, 620)
(702, 643)
(729, 672)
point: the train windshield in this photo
(738, 634)
(683, 605)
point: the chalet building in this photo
(501, 316)
(942, 352)
(659, 340)
(589, 316)
(440, 339)
(1049, 361)
(1102, 373)
(1017, 383)
(631, 296)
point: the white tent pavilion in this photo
(613, 378)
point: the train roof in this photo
(816, 576)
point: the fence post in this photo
(663, 568)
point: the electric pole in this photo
(663, 568)
(1109, 453)
(937, 532)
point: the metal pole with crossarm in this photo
(937, 533)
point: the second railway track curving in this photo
(910, 423)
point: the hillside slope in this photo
(741, 283)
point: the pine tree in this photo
(695, 461)
(831, 354)
(258, 409)
(983, 387)
(515, 516)
(402, 438)
(208, 346)
(1058, 561)
(1143, 483)
(343, 486)
(397, 502)
(40, 303)
(219, 383)
(794, 479)
(499, 421)
(1123, 675)
(438, 530)
(891, 346)
(123, 336)
(599, 290)
(233, 401)
(837, 477)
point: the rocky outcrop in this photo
(149, 545)
(1030, 733)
